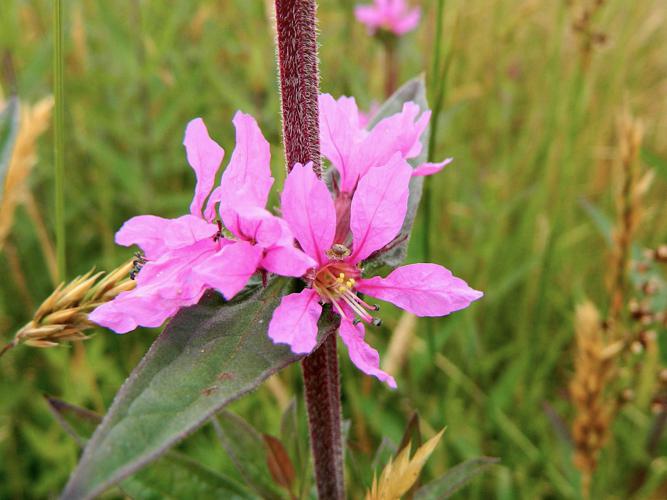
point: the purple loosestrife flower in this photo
(378, 208)
(353, 150)
(190, 254)
(393, 16)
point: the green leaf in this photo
(173, 476)
(176, 476)
(208, 355)
(78, 422)
(454, 479)
(603, 224)
(9, 127)
(293, 435)
(415, 91)
(652, 159)
(247, 449)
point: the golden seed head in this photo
(63, 316)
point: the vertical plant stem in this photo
(299, 82)
(322, 389)
(390, 65)
(438, 85)
(59, 138)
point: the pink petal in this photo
(407, 22)
(247, 179)
(309, 210)
(171, 275)
(339, 134)
(294, 321)
(399, 132)
(164, 285)
(422, 289)
(204, 156)
(254, 224)
(287, 261)
(229, 269)
(361, 354)
(369, 16)
(135, 308)
(430, 168)
(156, 235)
(379, 206)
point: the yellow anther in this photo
(342, 289)
(341, 276)
(350, 283)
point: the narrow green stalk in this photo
(438, 86)
(59, 137)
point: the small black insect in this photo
(137, 264)
(218, 236)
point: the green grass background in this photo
(533, 133)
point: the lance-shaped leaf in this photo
(245, 446)
(209, 355)
(173, 476)
(9, 126)
(415, 91)
(455, 479)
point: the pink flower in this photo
(353, 150)
(184, 257)
(377, 210)
(389, 15)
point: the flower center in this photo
(335, 283)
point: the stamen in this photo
(357, 308)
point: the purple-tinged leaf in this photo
(279, 463)
(209, 355)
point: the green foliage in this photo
(248, 451)
(208, 355)
(9, 123)
(454, 479)
(532, 132)
(173, 476)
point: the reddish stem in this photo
(299, 81)
(391, 67)
(321, 380)
(299, 86)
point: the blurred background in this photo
(556, 115)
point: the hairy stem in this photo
(299, 83)
(320, 375)
(59, 139)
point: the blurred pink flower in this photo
(190, 254)
(377, 211)
(390, 15)
(353, 150)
